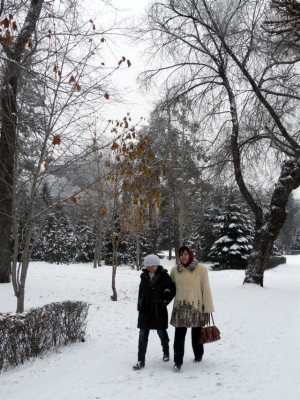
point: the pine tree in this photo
(202, 235)
(57, 242)
(85, 240)
(231, 249)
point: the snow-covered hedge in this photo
(40, 330)
(275, 260)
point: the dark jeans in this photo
(144, 333)
(179, 340)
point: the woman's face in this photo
(153, 268)
(184, 258)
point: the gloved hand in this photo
(162, 302)
(167, 294)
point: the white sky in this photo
(137, 103)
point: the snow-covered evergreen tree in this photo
(85, 240)
(57, 242)
(235, 231)
(202, 236)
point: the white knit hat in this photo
(151, 260)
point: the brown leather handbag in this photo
(209, 333)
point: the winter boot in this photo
(198, 359)
(165, 347)
(141, 356)
(177, 367)
(139, 365)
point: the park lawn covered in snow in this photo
(258, 356)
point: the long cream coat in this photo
(193, 295)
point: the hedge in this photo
(275, 260)
(40, 330)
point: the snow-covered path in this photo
(258, 357)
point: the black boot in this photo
(177, 367)
(141, 356)
(139, 365)
(165, 347)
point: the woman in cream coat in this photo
(192, 304)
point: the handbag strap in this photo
(208, 319)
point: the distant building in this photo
(76, 173)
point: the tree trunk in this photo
(21, 299)
(170, 230)
(14, 53)
(7, 159)
(21, 286)
(267, 229)
(114, 296)
(267, 223)
(174, 189)
(96, 252)
(100, 247)
(19, 281)
(97, 246)
(138, 252)
(262, 248)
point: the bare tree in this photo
(172, 129)
(134, 188)
(283, 23)
(246, 95)
(63, 66)
(57, 48)
(14, 54)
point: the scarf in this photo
(190, 267)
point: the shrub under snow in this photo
(40, 330)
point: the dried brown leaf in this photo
(56, 140)
(74, 200)
(5, 22)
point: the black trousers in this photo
(179, 340)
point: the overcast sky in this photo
(138, 103)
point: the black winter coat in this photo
(154, 296)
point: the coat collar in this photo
(190, 267)
(160, 272)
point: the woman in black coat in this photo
(156, 291)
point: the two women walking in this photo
(192, 305)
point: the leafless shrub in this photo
(40, 330)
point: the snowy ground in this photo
(258, 356)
